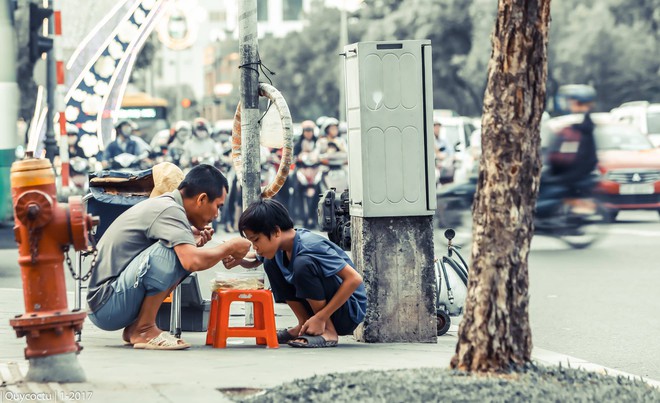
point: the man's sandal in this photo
(164, 341)
(312, 342)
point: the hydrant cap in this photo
(33, 164)
(31, 172)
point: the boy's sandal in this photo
(164, 341)
(283, 336)
(312, 342)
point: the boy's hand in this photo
(229, 262)
(203, 236)
(314, 326)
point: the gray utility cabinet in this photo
(389, 101)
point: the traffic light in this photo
(38, 43)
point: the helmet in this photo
(308, 124)
(201, 124)
(72, 129)
(320, 120)
(182, 125)
(578, 92)
(122, 122)
(327, 123)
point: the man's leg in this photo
(161, 275)
(138, 292)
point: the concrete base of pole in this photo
(63, 368)
(395, 257)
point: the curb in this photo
(551, 358)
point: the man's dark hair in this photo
(265, 216)
(204, 179)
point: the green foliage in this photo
(618, 54)
(307, 65)
(611, 44)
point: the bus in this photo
(148, 112)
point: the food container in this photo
(246, 280)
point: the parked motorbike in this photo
(577, 220)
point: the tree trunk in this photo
(494, 335)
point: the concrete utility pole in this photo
(249, 59)
(392, 187)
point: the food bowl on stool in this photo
(234, 280)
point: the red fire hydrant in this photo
(43, 230)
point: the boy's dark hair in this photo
(204, 179)
(265, 216)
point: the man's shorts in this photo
(154, 270)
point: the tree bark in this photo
(494, 335)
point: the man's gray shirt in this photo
(159, 219)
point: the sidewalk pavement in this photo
(118, 373)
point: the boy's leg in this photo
(284, 292)
(318, 290)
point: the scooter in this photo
(577, 220)
(335, 175)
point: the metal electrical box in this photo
(389, 101)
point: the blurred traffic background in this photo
(177, 90)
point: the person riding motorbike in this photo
(75, 150)
(200, 148)
(182, 132)
(571, 157)
(330, 132)
(124, 143)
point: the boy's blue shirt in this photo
(331, 259)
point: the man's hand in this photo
(314, 326)
(203, 236)
(239, 247)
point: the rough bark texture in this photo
(395, 257)
(495, 335)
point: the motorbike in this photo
(307, 188)
(576, 220)
(130, 162)
(335, 174)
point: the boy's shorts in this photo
(154, 270)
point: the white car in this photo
(457, 131)
(643, 115)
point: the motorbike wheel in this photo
(585, 234)
(444, 321)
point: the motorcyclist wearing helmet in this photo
(124, 142)
(330, 133)
(307, 141)
(200, 148)
(75, 150)
(571, 157)
(182, 132)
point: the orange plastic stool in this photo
(264, 318)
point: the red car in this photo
(629, 165)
